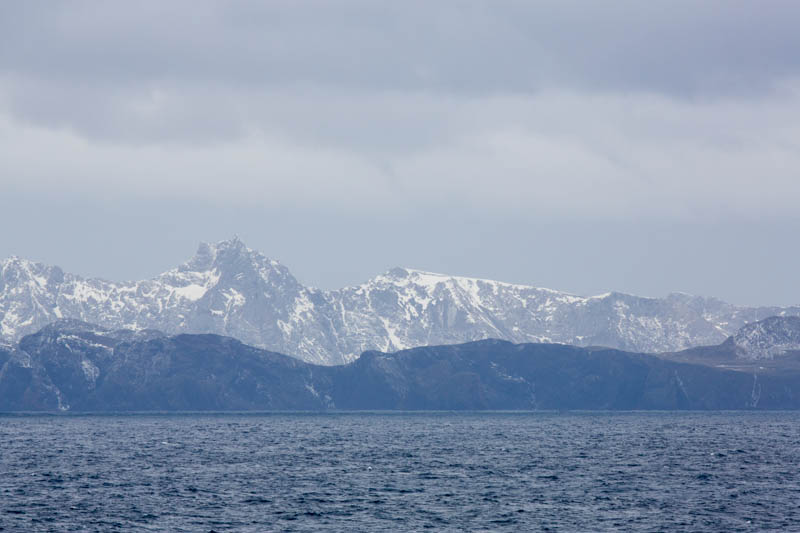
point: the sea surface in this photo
(401, 472)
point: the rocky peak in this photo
(397, 273)
(228, 288)
(229, 253)
(233, 262)
(15, 269)
(768, 338)
(16, 272)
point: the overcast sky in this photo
(644, 147)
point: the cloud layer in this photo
(512, 111)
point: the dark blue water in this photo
(389, 472)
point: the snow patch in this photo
(90, 370)
(191, 292)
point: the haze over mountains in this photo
(229, 289)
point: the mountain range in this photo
(231, 290)
(74, 366)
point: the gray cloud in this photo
(198, 71)
(682, 47)
(546, 115)
(560, 153)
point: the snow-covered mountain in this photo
(229, 289)
(768, 338)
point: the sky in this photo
(644, 147)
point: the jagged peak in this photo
(768, 338)
(33, 272)
(17, 262)
(226, 263)
(226, 254)
(234, 244)
(208, 253)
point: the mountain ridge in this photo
(74, 366)
(229, 289)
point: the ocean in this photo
(409, 471)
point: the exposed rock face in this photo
(228, 289)
(73, 366)
(768, 338)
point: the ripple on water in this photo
(401, 471)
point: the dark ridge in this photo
(76, 367)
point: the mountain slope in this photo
(229, 289)
(74, 366)
(769, 338)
